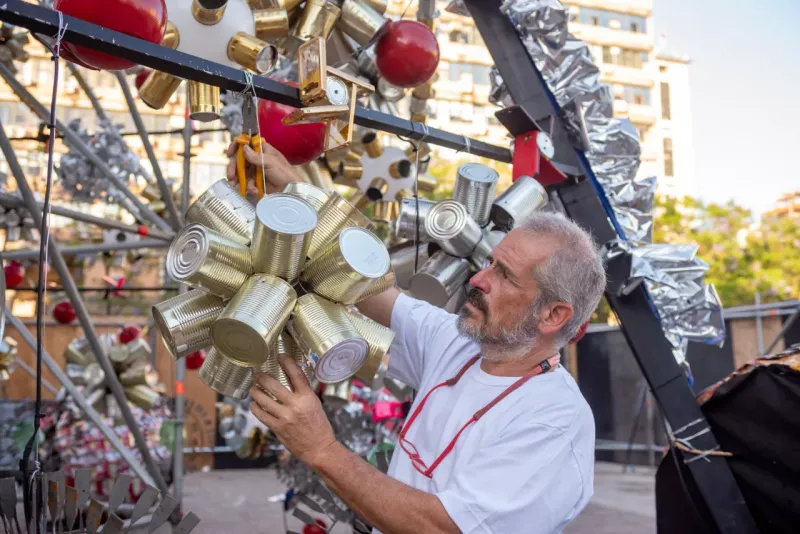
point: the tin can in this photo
(325, 329)
(208, 13)
(385, 211)
(379, 338)
(376, 189)
(350, 171)
(448, 224)
(204, 103)
(400, 169)
(271, 23)
(78, 353)
(524, 197)
(406, 223)
(184, 321)
(225, 211)
(355, 261)
(252, 53)
(425, 183)
(142, 396)
(285, 346)
(403, 260)
(317, 20)
(75, 373)
(372, 145)
(360, 21)
(474, 188)
(440, 278)
(378, 5)
(403, 193)
(338, 395)
(310, 193)
(422, 147)
(151, 192)
(479, 259)
(388, 91)
(283, 230)
(201, 257)
(139, 374)
(138, 351)
(319, 177)
(336, 215)
(384, 283)
(253, 319)
(224, 376)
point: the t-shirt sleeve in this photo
(527, 480)
(419, 328)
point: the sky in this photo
(745, 94)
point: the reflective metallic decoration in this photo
(317, 20)
(412, 215)
(285, 346)
(450, 226)
(474, 189)
(184, 321)
(336, 215)
(440, 278)
(225, 376)
(403, 261)
(271, 23)
(252, 53)
(310, 193)
(379, 338)
(524, 197)
(360, 21)
(284, 225)
(479, 259)
(225, 211)
(204, 104)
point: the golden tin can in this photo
(225, 376)
(385, 210)
(224, 210)
(252, 53)
(319, 177)
(283, 230)
(378, 5)
(360, 21)
(426, 184)
(335, 344)
(158, 88)
(253, 319)
(310, 193)
(151, 192)
(142, 396)
(336, 215)
(204, 103)
(208, 12)
(400, 169)
(212, 262)
(376, 189)
(78, 353)
(139, 374)
(184, 321)
(338, 395)
(271, 23)
(285, 346)
(384, 283)
(379, 339)
(372, 145)
(317, 20)
(350, 171)
(350, 265)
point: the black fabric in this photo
(756, 417)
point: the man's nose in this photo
(481, 281)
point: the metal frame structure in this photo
(582, 198)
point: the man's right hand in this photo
(277, 171)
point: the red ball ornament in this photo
(141, 76)
(407, 55)
(63, 312)
(15, 274)
(195, 360)
(145, 19)
(128, 333)
(300, 143)
(319, 528)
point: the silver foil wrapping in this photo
(688, 307)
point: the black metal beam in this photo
(43, 20)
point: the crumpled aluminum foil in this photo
(688, 307)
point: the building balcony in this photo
(464, 53)
(610, 37)
(627, 75)
(637, 113)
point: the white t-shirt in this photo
(527, 466)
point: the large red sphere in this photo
(407, 55)
(141, 76)
(299, 143)
(15, 274)
(194, 361)
(128, 333)
(63, 312)
(145, 19)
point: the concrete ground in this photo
(247, 501)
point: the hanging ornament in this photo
(128, 333)
(407, 54)
(64, 312)
(143, 19)
(15, 274)
(300, 143)
(194, 361)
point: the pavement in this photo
(248, 501)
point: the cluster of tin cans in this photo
(276, 279)
(459, 234)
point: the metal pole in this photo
(786, 326)
(80, 400)
(29, 100)
(12, 201)
(28, 254)
(25, 367)
(78, 75)
(83, 314)
(166, 195)
(651, 455)
(759, 326)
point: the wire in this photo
(416, 145)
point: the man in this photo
(506, 447)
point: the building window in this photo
(458, 36)
(665, 110)
(624, 57)
(642, 131)
(479, 73)
(610, 19)
(636, 95)
(669, 169)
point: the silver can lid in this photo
(286, 214)
(445, 220)
(187, 252)
(364, 252)
(475, 172)
(342, 361)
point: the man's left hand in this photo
(296, 418)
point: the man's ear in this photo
(554, 316)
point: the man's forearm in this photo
(388, 505)
(379, 307)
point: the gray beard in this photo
(511, 344)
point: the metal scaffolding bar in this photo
(29, 100)
(43, 20)
(78, 75)
(80, 309)
(166, 195)
(80, 400)
(11, 201)
(28, 254)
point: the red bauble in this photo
(15, 274)
(145, 19)
(299, 143)
(129, 333)
(319, 528)
(195, 360)
(63, 312)
(407, 55)
(141, 76)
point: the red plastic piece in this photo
(319, 528)
(15, 274)
(300, 143)
(383, 410)
(63, 312)
(142, 230)
(128, 333)
(408, 54)
(529, 162)
(141, 76)
(145, 19)
(195, 360)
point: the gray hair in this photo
(573, 274)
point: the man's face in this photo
(499, 309)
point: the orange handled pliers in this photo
(249, 137)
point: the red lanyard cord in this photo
(416, 461)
